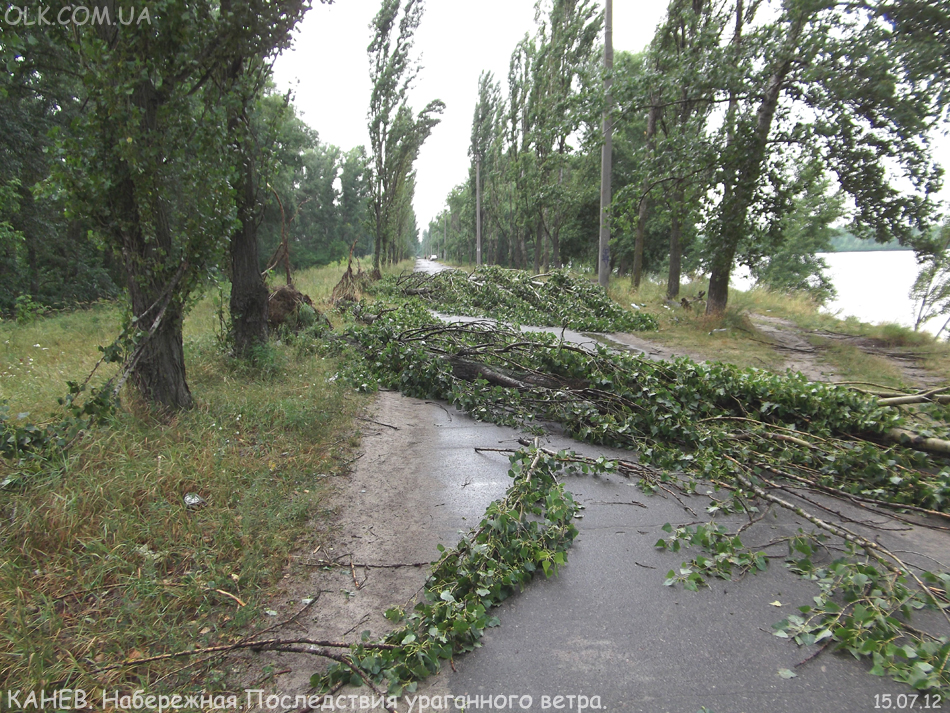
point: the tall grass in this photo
(100, 557)
(734, 337)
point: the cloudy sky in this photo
(328, 71)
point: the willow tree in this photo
(396, 134)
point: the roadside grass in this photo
(101, 560)
(37, 359)
(730, 338)
(855, 365)
(734, 338)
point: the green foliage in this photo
(792, 265)
(324, 190)
(537, 200)
(702, 419)
(714, 422)
(846, 241)
(558, 299)
(26, 310)
(21, 439)
(527, 531)
(864, 609)
(931, 289)
(396, 133)
(727, 552)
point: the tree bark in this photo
(644, 212)
(676, 249)
(538, 244)
(159, 374)
(478, 211)
(248, 293)
(555, 233)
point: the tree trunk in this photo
(538, 242)
(248, 293)
(676, 249)
(478, 211)
(24, 220)
(718, 293)
(159, 374)
(738, 197)
(555, 233)
(544, 259)
(644, 212)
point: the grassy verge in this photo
(731, 338)
(100, 557)
(734, 338)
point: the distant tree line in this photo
(50, 259)
(741, 135)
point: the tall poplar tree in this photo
(396, 134)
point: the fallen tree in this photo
(746, 431)
(555, 299)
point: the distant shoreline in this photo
(869, 250)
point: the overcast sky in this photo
(329, 72)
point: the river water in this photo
(872, 286)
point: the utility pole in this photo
(606, 154)
(478, 210)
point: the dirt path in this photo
(796, 351)
(411, 489)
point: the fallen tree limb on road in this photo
(717, 423)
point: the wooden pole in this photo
(606, 155)
(478, 211)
